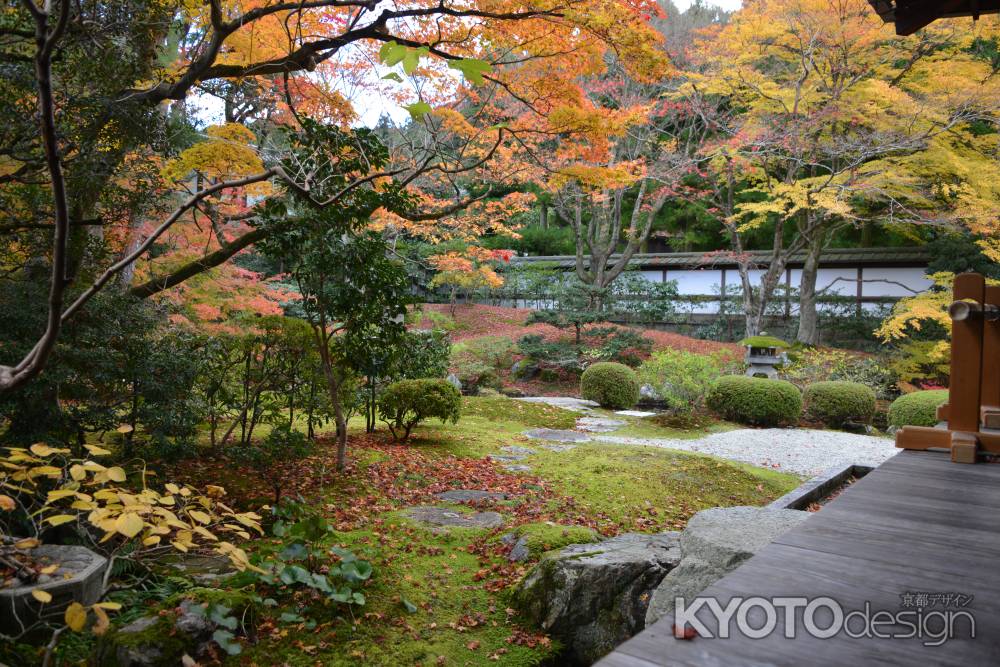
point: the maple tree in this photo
(827, 120)
(468, 270)
(121, 64)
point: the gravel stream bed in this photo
(800, 451)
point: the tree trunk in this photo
(333, 386)
(543, 215)
(808, 318)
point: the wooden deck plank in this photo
(919, 523)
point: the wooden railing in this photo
(973, 409)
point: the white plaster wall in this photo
(912, 278)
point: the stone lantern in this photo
(763, 354)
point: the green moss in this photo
(763, 341)
(433, 570)
(634, 487)
(542, 537)
(528, 415)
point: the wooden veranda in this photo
(915, 542)
(919, 524)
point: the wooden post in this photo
(973, 408)
(989, 386)
(860, 292)
(966, 356)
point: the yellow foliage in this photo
(596, 177)
(911, 313)
(86, 491)
(226, 154)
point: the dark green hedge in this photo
(613, 386)
(756, 401)
(918, 408)
(837, 402)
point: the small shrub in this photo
(559, 355)
(480, 362)
(810, 365)
(406, 403)
(618, 344)
(266, 456)
(756, 401)
(837, 402)
(440, 320)
(612, 385)
(681, 379)
(918, 408)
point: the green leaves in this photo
(418, 109)
(393, 54)
(227, 642)
(472, 69)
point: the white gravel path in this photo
(802, 451)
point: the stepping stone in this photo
(517, 468)
(598, 424)
(635, 413)
(466, 495)
(514, 449)
(444, 516)
(556, 435)
(559, 448)
(507, 457)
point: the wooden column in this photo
(966, 357)
(722, 293)
(860, 292)
(989, 387)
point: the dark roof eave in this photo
(884, 257)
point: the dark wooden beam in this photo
(912, 15)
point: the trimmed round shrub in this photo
(918, 408)
(613, 386)
(756, 401)
(406, 403)
(837, 402)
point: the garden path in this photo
(800, 451)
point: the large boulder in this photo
(715, 542)
(592, 597)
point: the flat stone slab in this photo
(564, 402)
(556, 435)
(514, 449)
(729, 535)
(559, 448)
(507, 457)
(517, 468)
(635, 413)
(715, 542)
(598, 424)
(444, 516)
(467, 495)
